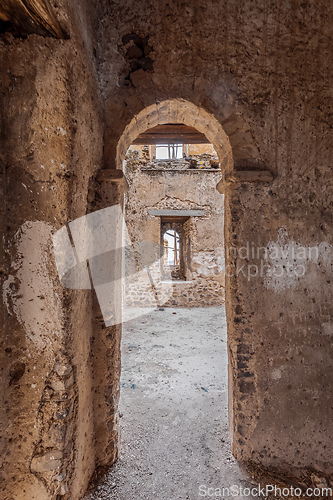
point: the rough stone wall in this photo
(197, 149)
(263, 71)
(173, 185)
(51, 137)
(188, 149)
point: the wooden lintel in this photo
(171, 133)
(31, 16)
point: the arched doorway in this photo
(176, 111)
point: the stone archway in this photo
(178, 111)
(239, 171)
(187, 113)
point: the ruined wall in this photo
(188, 149)
(51, 139)
(198, 149)
(263, 71)
(159, 184)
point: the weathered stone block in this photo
(52, 460)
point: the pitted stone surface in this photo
(255, 77)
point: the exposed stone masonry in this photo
(255, 79)
(176, 186)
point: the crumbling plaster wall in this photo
(263, 71)
(260, 69)
(56, 418)
(172, 185)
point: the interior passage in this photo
(174, 424)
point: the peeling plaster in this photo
(287, 262)
(29, 292)
(209, 263)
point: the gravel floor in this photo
(174, 425)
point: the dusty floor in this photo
(174, 428)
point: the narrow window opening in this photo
(173, 244)
(169, 151)
(172, 247)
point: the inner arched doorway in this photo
(179, 112)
